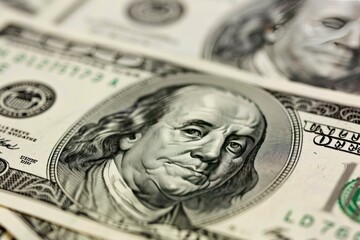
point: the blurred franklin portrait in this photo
(315, 42)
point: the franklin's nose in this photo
(351, 40)
(210, 151)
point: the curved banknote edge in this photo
(71, 110)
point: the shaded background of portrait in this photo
(271, 159)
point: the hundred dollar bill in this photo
(308, 41)
(122, 142)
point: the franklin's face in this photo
(321, 41)
(203, 140)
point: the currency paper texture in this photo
(105, 140)
(45, 9)
(313, 42)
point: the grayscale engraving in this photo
(310, 41)
(4, 166)
(186, 151)
(25, 99)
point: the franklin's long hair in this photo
(243, 34)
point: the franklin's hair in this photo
(95, 143)
(244, 33)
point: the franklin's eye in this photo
(193, 132)
(235, 147)
(333, 23)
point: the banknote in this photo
(120, 142)
(313, 42)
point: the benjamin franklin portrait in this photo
(314, 42)
(176, 151)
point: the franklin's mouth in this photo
(195, 176)
(348, 60)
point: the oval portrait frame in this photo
(274, 162)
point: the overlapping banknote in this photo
(105, 140)
(312, 42)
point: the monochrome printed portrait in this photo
(314, 42)
(183, 150)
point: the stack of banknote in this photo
(180, 119)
